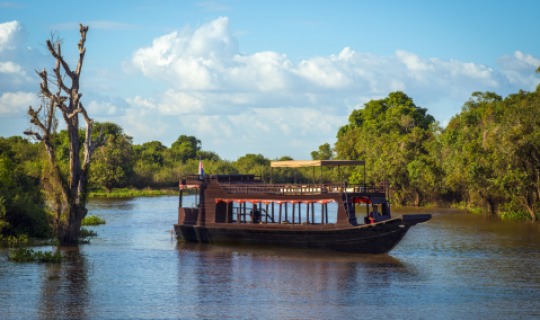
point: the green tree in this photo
(491, 153)
(392, 135)
(518, 138)
(185, 147)
(325, 153)
(469, 151)
(149, 160)
(22, 207)
(208, 155)
(251, 163)
(151, 153)
(112, 166)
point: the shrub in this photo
(29, 255)
(92, 221)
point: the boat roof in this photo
(315, 163)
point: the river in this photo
(456, 266)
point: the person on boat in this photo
(375, 215)
(255, 215)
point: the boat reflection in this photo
(251, 275)
(288, 253)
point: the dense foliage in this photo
(491, 153)
(393, 136)
(486, 159)
(22, 207)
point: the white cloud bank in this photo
(264, 102)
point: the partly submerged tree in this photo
(67, 194)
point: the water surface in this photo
(456, 266)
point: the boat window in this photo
(278, 212)
(190, 200)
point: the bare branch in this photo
(44, 86)
(34, 118)
(36, 135)
(75, 113)
(82, 49)
(85, 114)
(55, 52)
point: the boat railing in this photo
(308, 189)
(224, 178)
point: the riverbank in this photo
(131, 193)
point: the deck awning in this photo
(315, 163)
(189, 186)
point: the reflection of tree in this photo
(64, 293)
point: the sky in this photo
(277, 78)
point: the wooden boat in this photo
(243, 209)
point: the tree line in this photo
(486, 159)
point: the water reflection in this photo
(259, 281)
(64, 292)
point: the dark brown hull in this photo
(373, 238)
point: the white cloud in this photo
(176, 103)
(17, 61)
(10, 67)
(238, 103)
(102, 108)
(14, 76)
(190, 59)
(11, 36)
(324, 72)
(263, 71)
(142, 103)
(413, 62)
(517, 70)
(17, 102)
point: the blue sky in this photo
(271, 77)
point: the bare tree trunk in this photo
(528, 202)
(69, 193)
(417, 197)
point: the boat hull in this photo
(375, 238)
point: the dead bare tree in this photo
(67, 193)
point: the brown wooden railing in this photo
(308, 189)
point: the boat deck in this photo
(252, 185)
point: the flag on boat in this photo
(201, 169)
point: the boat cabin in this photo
(240, 199)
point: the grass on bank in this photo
(92, 221)
(130, 193)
